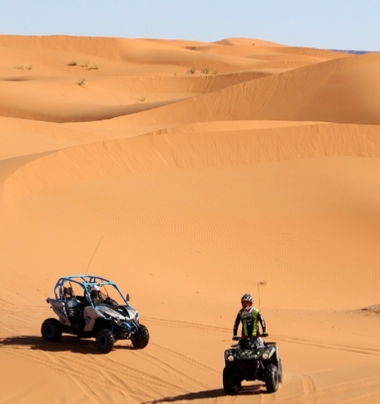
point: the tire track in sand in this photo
(184, 324)
(186, 359)
(95, 370)
(360, 389)
(174, 371)
(340, 347)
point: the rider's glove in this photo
(235, 338)
(265, 334)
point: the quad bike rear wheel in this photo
(141, 338)
(231, 384)
(51, 330)
(105, 341)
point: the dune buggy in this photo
(249, 360)
(107, 318)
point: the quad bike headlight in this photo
(230, 358)
(265, 355)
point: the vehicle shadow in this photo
(201, 395)
(67, 343)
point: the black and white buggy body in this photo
(108, 319)
(250, 360)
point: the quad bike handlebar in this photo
(237, 338)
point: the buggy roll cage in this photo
(85, 281)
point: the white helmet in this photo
(94, 288)
(247, 301)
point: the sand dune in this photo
(190, 173)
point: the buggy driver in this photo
(96, 296)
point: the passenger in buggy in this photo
(74, 309)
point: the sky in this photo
(324, 24)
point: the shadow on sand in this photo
(201, 395)
(67, 343)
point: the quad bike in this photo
(252, 359)
(108, 319)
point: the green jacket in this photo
(250, 322)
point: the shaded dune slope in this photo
(63, 100)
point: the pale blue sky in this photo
(331, 24)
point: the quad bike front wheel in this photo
(105, 341)
(231, 384)
(271, 378)
(51, 330)
(141, 338)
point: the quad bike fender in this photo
(277, 354)
(270, 351)
(59, 309)
(90, 316)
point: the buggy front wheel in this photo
(141, 338)
(105, 341)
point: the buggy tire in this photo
(51, 330)
(105, 341)
(231, 384)
(141, 338)
(271, 378)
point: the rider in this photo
(250, 317)
(96, 296)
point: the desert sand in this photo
(190, 173)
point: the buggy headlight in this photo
(230, 358)
(265, 355)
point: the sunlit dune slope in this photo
(195, 149)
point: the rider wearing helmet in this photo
(96, 296)
(250, 317)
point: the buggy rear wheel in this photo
(105, 341)
(51, 330)
(231, 383)
(271, 378)
(141, 338)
